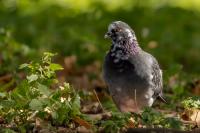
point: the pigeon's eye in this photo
(113, 31)
(118, 30)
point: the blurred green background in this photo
(169, 29)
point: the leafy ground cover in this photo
(39, 103)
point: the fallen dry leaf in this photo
(64, 130)
(131, 123)
(191, 115)
(196, 88)
(100, 116)
(82, 129)
(82, 122)
(69, 63)
(91, 108)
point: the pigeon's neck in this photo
(132, 47)
(122, 49)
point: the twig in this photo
(100, 116)
(6, 77)
(188, 122)
(136, 101)
(98, 100)
(33, 115)
(82, 122)
(196, 118)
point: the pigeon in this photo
(133, 76)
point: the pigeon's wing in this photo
(157, 79)
(147, 67)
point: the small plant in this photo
(152, 118)
(191, 102)
(148, 118)
(34, 97)
(117, 122)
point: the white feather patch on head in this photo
(118, 22)
(150, 61)
(130, 34)
(111, 26)
(161, 73)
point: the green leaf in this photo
(47, 57)
(76, 105)
(55, 67)
(54, 115)
(192, 102)
(23, 65)
(36, 104)
(7, 131)
(2, 95)
(44, 89)
(49, 54)
(7, 103)
(32, 77)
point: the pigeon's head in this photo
(119, 31)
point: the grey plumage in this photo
(133, 76)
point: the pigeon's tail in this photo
(161, 98)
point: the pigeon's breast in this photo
(122, 73)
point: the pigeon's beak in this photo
(107, 35)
